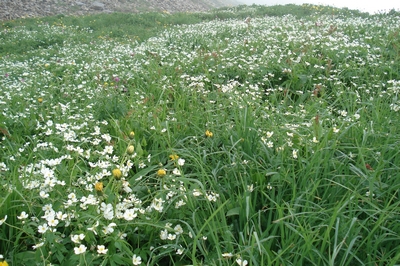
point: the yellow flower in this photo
(117, 174)
(40, 100)
(98, 186)
(209, 134)
(161, 172)
(130, 149)
(131, 135)
(174, 157)
(4, 263)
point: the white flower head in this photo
(101, 249)
(80, 250)
(241, 262)
(136, 260)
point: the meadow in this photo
(201, 138)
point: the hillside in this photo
(12, 9)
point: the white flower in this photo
(136, 260)
(176, 171)
(101, 249)
(38, 245)
(181, 162)
(77, 238)
(294, 154)
(164, 234)
(109, 229)
(171, 236)
(42, 228)
(23, 215)
(178, 229)
(80, 250)
(52, 222)
(227, 255)
(197, 192)
(130, 214)
(241, 262)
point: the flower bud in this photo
(130, 149)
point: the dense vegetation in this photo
(201, 139)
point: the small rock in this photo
(97, 6)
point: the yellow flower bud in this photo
(131, 135)
(98, 186)
(174, 157)
(117, 174)
(161, 172)
(40, 99)
(209, 134)
(130, 149)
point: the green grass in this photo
(273, 142)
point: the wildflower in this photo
(40, 99)
(93, 228)
(176, 171)
(116, 173)
(164, 234)
(3, 263)
(38, 245)
(178, 229)
(161, 172)
(157, 204)
(209, 134)
(77, 238)
(98, 186)
(101, 249)
(42, 228)
(227, 255)
(130, 214)
(181, 162)
(368, 193)
(130, 149)
(108, 211)
(241, 262)
(196, 192)
(294, 154)
(109, 228)
(136, 260)
(173, 157)
(80, 250)
(270, 144)
(131, 135)
(23, 215)
(52, 221)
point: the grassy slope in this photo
(332, 200)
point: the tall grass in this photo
(208, 141)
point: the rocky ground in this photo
(13, 9)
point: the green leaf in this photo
(232, 212)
